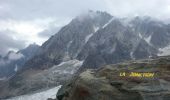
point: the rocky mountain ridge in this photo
(99, 38)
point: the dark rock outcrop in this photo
(107, 84)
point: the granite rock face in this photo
(107, 84)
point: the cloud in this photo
(17, 34)
(19, 9)
(15, 56)
(49, 32)
(12, 56)
(30, 9)
(52, 29)
(8, 42)
(22, 32)
(4, 62)
(153, 8)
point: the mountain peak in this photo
(33, 45)
(90, 14)
(30, 49)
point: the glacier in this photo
(44, 95)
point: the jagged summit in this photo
(31, 50)
(92, 15)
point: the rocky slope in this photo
(14, 61)
(69, 41)
(107, 84)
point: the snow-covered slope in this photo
(44, 95)
(164, 51)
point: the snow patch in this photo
(69, 44)
(88, 37)
(131, 55)
(62, 63)
(44, 95)
(68, 67)
(3, 78)
(127, 22)
(148, 39)
(113, 48)
(108, 22)
(15, 56)
(16, 68)
(140, 35)
(96, 29)
(164, 51)
(79, 63)
(74, 61)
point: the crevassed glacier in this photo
(44, 95)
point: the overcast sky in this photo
(27, 21)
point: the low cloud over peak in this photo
(27, 21)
